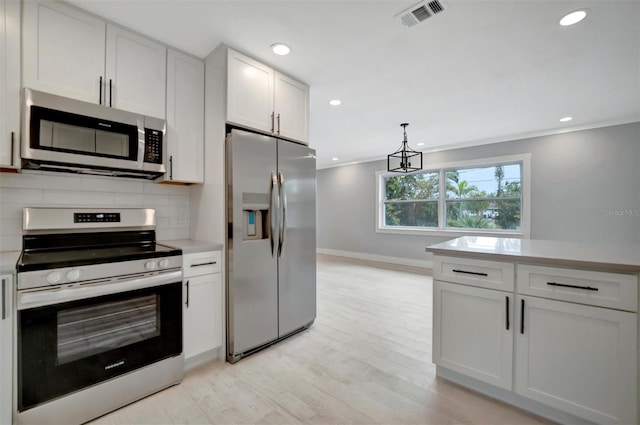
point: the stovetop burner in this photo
(50, 259)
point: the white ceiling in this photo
(479, 72)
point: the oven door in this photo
(71, 345)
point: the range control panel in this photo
(96, 217)
(153, 146)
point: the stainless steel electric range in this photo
(99, 313)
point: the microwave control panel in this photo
(153, 146)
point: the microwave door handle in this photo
(140, 158)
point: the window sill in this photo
(451, 232)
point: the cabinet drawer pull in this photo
(187, 301)
(507, 312)
(273, 124)
(204, 264)
(564, 285)
(522, 316)
(110, 92)
(100, 90)
(473, 273)
(278, 123)
(171, 167)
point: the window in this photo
(479, 197)
(411, 200)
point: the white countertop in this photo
(618, 257)
(189, 246)
(8, 260)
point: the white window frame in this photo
(525, 205)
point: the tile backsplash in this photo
(49, 189)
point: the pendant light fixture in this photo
(405, 159)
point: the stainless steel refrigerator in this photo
(271, 249)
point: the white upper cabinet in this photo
(135, 73)
(185, 118)
(63, 51)
(74, 54)
(291, 105)
(249, 92)
(261, 98)
(9, 83)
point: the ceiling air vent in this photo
(420, 12)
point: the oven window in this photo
(86, 331)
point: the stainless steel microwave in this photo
(61, 134)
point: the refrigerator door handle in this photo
(272, 211)
(283, 213)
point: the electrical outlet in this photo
(183, 217)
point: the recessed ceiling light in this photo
(420, 144)
(280, 49)
(334, 158)
(573, 18)
(335, 102)
(565, 119)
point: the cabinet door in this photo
(63, 50)
(9, 83)
(135, 73)
(185, 118)
(202, 314)
(6, 344)
(249, 92)
(291, 104)
(580, 359)
(473, 332)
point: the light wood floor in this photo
(366, 360)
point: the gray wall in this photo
(575, 177)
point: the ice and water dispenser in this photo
(254, 224)
(255, 216)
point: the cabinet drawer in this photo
(612, 290)
(201, 263)
(486, 274)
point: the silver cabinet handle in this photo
(278, 123)
(272, 122)
(187, 302)
(171, 167)
(100, 90)
(110, 92)
(4, 299)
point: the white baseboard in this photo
(379, 258)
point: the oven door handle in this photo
(31, 299)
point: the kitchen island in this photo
(548, 326)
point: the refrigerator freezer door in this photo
(297, 262)
(252, 285)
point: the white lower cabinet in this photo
(202, 330)
(202, 307)
(580, 359)
(473, 332)
(6, 345)
(569, 341)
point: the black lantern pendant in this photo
(408, 159)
